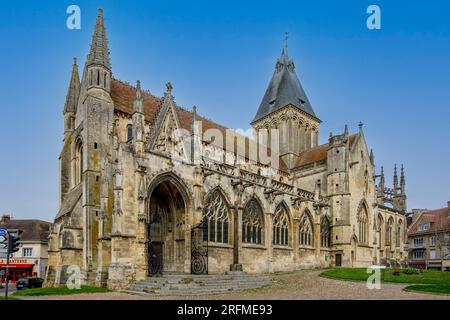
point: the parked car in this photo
(29, 283)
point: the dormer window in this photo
(424, 227)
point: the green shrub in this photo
(411, 271)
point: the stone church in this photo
(148, 187)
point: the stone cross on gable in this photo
(286, 38)
(169, 87)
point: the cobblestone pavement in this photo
(304, 284)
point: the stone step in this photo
(207, 284)
(188, 292)
(205, 277)
(212, 289)
(199, 281)
(182, 284)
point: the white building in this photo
(32, 257)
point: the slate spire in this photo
(284, 89)
(99, 52)
(73, 91)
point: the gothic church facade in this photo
(130, 208)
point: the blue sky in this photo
(220, 56)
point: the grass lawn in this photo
(63, 290)
(427, 281)
(2, 298)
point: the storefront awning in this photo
(17, 265)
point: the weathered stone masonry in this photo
(131, 206)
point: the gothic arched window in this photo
(78, 169)
(252, 222)
(325, 232)
(398, 235)
(280, 226)
(389, 230)
(362, 219)
(305, 230)
(216, 215)
(380, 229)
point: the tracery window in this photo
(305, 230)
(216, 216)
(280, 226)
(252, 223)
(362, 218)
(389, 231)
(325, 232)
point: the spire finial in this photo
(100, 12)
(381, 185)
(360, 125)
(395, 179)
(138, 105)
(346, 130)
(402, 180)
(74, 61)
(194, 113)
(138, 90)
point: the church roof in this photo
(284, 89)
(317, 154)
(123, 95)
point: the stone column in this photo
(294, 235)
(317, 239)
(189, 222)
(237, 238)
(316, 138)
(269, 240)
(141, 247)
(376, 245)
(308, 139)
(302, 137)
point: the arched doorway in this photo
(166, 229)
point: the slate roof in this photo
(284, 89)
(439, 220)
(70, 200)
(33, 230)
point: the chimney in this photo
(5, 218)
